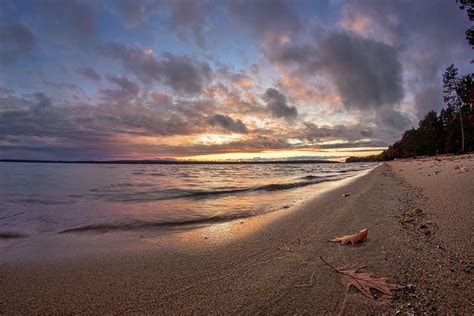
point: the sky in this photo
(218, 80)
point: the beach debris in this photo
(300, 241)
(410, 287)
(411, 217)
(286, 248)
(354, 239)
(456, 167)
(346, 195)
(364, 281)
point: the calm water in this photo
(45, 198)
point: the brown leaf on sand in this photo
(364, 281)
(354, 239)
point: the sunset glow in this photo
(219, 80)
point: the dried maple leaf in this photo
(364, 281)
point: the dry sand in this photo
(424, 238)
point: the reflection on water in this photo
(50, 198)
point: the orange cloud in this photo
(160, 97)
(299, 90)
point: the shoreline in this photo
(147, 238)
(169, 162)
(261, 272)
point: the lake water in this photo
(66, 198)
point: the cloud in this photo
(189, 16)
(367, 74)
(182, 73)
(16, 40)
(428, 98)
(43, 100)
(161, 98)
(268, 19)
(228, 123)
(277, 104)
(243, 81)
(89, 73)
(428, 35)
(128, 89)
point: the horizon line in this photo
(170, 161)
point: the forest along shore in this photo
(423, 240)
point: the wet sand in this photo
(424, 238)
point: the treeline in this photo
(452, 131)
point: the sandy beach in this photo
(424, 239)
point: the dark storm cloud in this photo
(16, 40)
(89, 73)
(277, 104)
(429, 24)
(228, 123)
(428, 34)
(266, 17)
(366, 73)
(182, 73)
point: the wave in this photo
(137, 225)
(171, 194)
(39, 201)
(10, 235)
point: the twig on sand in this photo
(358, 265)
(372, 226)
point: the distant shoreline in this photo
(168, 162)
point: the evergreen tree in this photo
(430, 135)
(452, 97)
